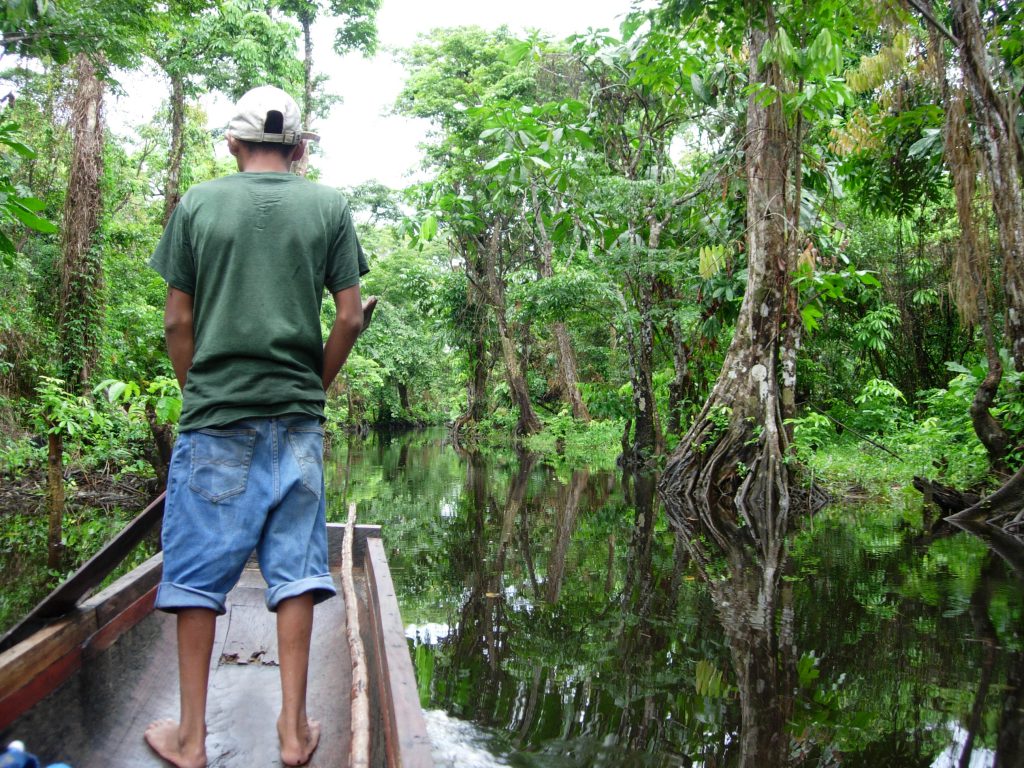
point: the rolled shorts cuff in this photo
(321, 586)
(172, 597)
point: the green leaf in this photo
(428, 228)
(697, 84)
(494, 163)
(18, 147)
(168, 409)
(30, 220)
(810, 314)
(517, 51)
(116, 390)
(31, 203)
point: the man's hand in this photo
(368, 306)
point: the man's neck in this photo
(266, 164)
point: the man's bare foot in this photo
(368, 306)
(164, 737)
(297, 748)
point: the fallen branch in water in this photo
(1004, 503)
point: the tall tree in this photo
(357, 30)
(450, 71)
(996, 117)
(223, 45)
(731, 462)
(81, 276)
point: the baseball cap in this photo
(251, 114)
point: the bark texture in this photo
(971, 274)
(55, 499)
(729, 466)
(172, 186)
(515, 371)
(1001, 149)
(81, 279)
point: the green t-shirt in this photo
(255, 251)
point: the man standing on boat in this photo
(246, 259)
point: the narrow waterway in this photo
(555, 619)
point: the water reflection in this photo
(743, 580)
(556, 611)
(1010, 739)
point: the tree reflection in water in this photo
(1010, 739)
(757, 616)
(558, 612)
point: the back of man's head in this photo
(267, 120)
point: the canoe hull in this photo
(83, 689)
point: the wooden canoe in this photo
(82, 688)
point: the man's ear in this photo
(233, 145)
(299, 151)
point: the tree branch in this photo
(926, 12)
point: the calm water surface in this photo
(555, 619)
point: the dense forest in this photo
(763, 250)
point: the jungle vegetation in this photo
(725, 243)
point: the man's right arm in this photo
(178, 332)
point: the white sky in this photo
(359, 139)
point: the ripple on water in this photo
(459, 743)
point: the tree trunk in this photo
(306, 20)
(646, 429)
(730, 464)
(528, 422)
(647, 436)
(793, 325)
(55, 499)
(163, 440)
(569, 372)
(566, 355)
(79, 314)
(514, 371)
(563, 535)
(403, 398)
(971, 275)
(1001, 149)
(682, 381)
(301, 166)
(172, 188)
(476, 382)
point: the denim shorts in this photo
(256, 484)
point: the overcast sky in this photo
(359, 139)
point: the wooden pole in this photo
(360, 755)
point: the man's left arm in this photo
(348, 324)
(178, 332)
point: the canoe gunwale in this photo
(41, 663)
